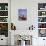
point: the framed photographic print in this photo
(22, 14)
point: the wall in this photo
(31, 13)
(32, 9)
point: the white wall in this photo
(32, 9)
(31, 13)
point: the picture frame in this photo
(22, 14)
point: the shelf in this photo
(4, 19)
(41, 22)
(42, 37)
(42, 16)
(3, 16)
(3, 10)
(41, 10)
(41, 28)
(42, 19)
(3, 22)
